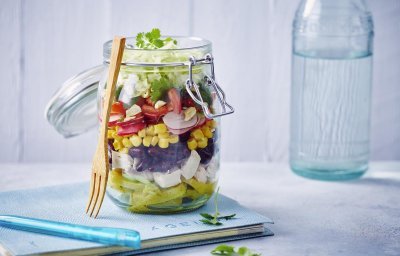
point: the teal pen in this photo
(103, 235)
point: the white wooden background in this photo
(43, 42)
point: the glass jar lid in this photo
(72, 109)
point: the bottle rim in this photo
(185, 44)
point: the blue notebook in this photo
(159, 232)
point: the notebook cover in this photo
(67, 203)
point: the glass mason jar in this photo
(331, 89)
(163, 133)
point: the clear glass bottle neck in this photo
(333, 29)
(332, 8)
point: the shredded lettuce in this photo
(154, 81)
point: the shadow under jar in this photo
(163, 134)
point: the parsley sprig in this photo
(228, 250)
(152, 40)
(215, 219)
(159, 88)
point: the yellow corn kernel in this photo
(154, 140)
(116, 136)
(197, 134)
(202, 143)
(147, 141)
(117, 144)
(164, 135)
(206, 131)
(192, 144)
(163, 143)
(174, 139)
(142, 133)
(211, 124)
(110, 134)
(160, 128)
(124, 150)
(150, 130)
(127, 143)
(136, 140)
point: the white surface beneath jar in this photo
(360, 217)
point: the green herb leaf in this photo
(118, 92)
(158, 43)
(140, 40)
(169, 39)
(244, 251)
(227, 217)
(215, 219)
(152, 40)
(207, 216)
(224, 249)
(205, 94)
(155, 33)
(159, 88)
(211, 222)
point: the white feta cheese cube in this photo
(212, 169)
(134, 110)
(191, 165)
(123, 161)
(166, 180)
(201, 174)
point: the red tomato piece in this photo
(130, 129)
(131, 120)
(150, 111)
(152, 119)
(118, 108)
(140, 102)
(149, 101)
(188, 102)
(175, 100)
(114, 119)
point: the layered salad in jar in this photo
(163, 151)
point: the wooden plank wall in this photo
(44, 42)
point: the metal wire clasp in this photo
(190, 84)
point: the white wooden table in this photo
(359, 217)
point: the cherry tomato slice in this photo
(134, 120)
(140, 101)
(130, 129)
(188, 102)
(114, 119)
(152, 112)
(118, 108)
(149, 101)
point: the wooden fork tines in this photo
(100, 165)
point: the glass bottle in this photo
(331, 89)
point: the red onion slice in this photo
(177, 121)
(201, 120)
(179, 131)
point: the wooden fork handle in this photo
(117, 51)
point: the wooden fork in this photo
(100, 165)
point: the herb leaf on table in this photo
(228, 250)
(215, 219)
